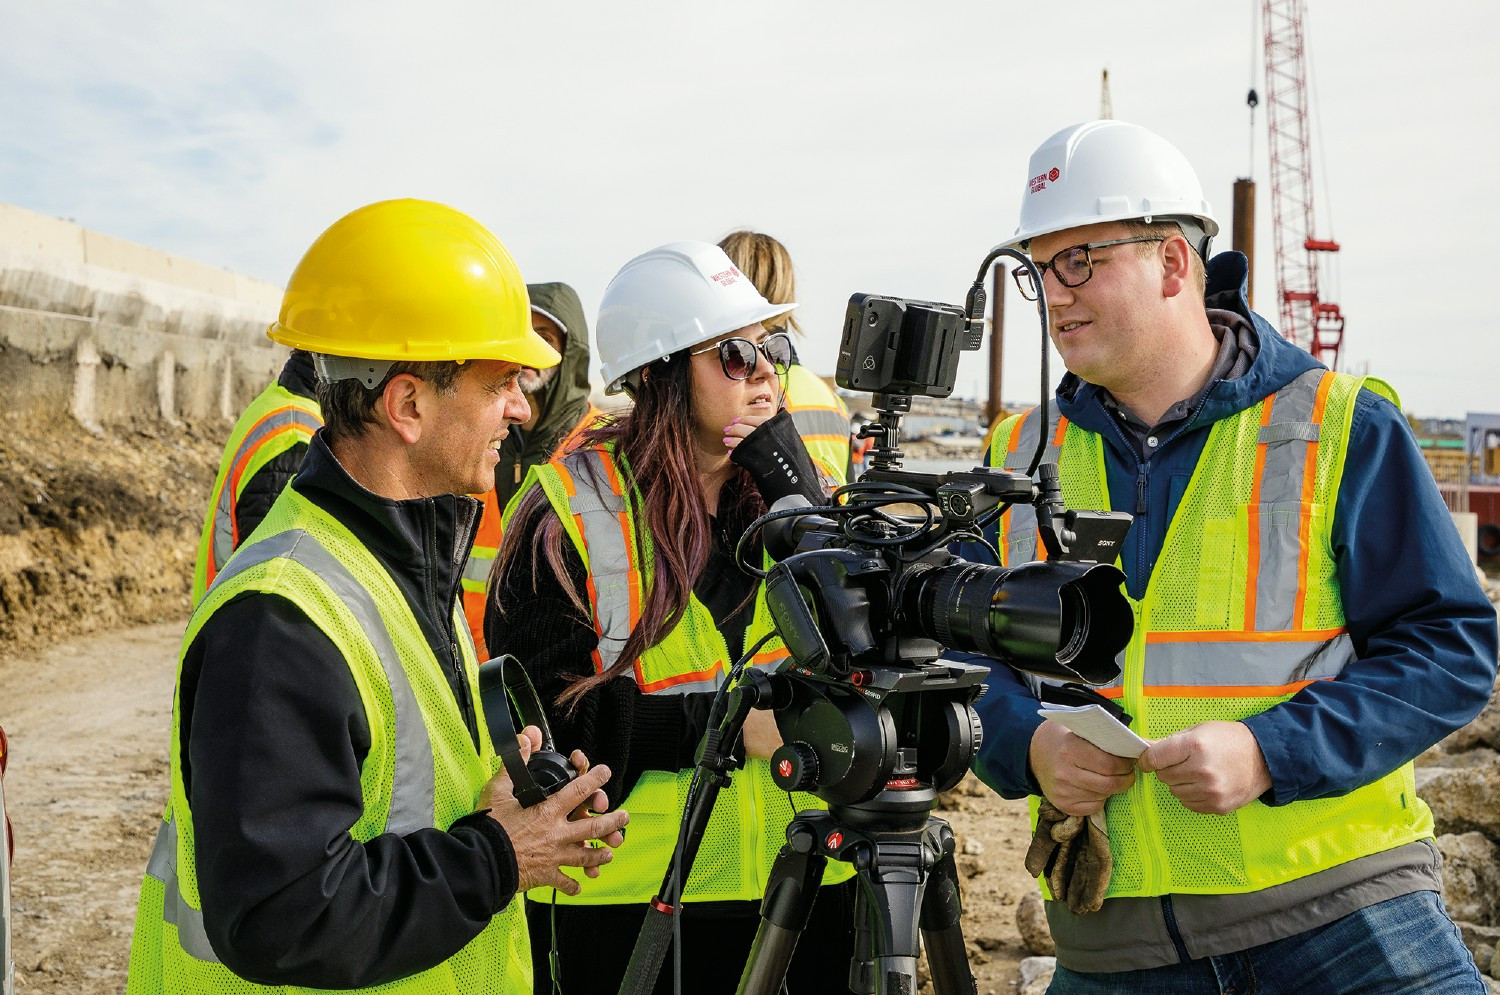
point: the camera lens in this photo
(1056, 619)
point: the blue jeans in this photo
(1403, 946)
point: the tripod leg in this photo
(784, 913)
(943, 932)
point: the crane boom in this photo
(1307, 319)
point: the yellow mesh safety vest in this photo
(1241, 612)
(475, 581)
(822, 420)
(588, 491)
(274, 422)
(422, 770)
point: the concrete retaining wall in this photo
(108, 330)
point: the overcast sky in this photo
(886, 143)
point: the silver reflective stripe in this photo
(1286, 438)
(1247, 663)
(223, 540)
(821, 422)
(477, 570)
(413, 788)
(162, 866)
(1020, 533)
(598, 509)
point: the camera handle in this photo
(715, 760)
(547, 771)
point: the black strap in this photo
(503, 683)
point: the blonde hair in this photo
(768, 265)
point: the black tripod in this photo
(902, 855)
(907, 880)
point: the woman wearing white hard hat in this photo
(617, 588)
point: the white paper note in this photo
(1097, 726)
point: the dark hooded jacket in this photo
(561, 404)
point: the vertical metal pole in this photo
(997, 342)
(1244, 226)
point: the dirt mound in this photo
(98, 530)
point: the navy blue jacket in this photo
(1424, 632)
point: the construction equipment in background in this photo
(1307, 319)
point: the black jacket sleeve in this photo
(777, 458)
(530, 616)
(273, 738)
(264, 487)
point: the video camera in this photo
(867, 598)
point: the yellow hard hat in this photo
(410, 280)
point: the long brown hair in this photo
(655, 439)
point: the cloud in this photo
(885, 143)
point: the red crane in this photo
(1308, 320)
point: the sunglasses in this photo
(739, 357)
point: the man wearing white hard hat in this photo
(1307, 621)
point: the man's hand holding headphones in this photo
(557, 832)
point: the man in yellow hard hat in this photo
(338, 817)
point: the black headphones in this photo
(500, 687)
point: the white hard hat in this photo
(1111, 171)
(668, 299)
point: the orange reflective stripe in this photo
(1225, 690)
(474, 615)
(1014, 442)
(1309, 479)
(243, 460)
(567, 481)
(692, 677)
(769, 656)
(1252, 564)
(635, 567)
(570, 441)
(1062, 426)
(1244, 636)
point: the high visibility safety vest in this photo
(487, 542)
(588, 491)
(422, 770)
(822, 420)
(1241, 612)
(274, 422)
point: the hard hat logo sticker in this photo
(727, 277)
(1054, 174)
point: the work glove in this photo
(1072, 853)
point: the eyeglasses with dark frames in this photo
(738, 356)
(1072, 266)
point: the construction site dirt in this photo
(97, 538)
